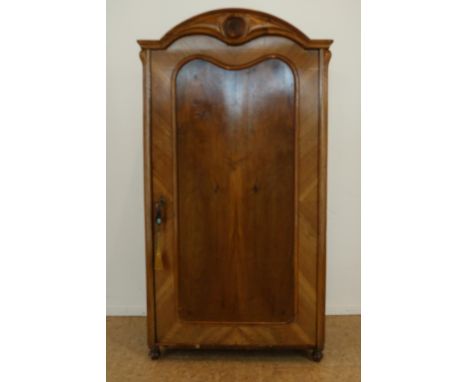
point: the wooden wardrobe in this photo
(235, 154)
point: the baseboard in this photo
(340, 310)
(121, 310)
(124, 310)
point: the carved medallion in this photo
(234, 27)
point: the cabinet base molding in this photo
(313, 353)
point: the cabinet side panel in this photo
(145, 56)
(325, 56)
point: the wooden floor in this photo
(127, 358)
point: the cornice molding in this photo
(235, 26)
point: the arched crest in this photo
(235, 26)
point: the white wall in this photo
(129, 20)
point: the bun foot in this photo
(315, 354)
(155, 353)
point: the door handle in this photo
(158, 221)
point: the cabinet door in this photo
(233, 144)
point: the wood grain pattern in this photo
(241, 51)
(235, 149)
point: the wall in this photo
(129, 20)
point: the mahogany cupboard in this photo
(235, 146)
